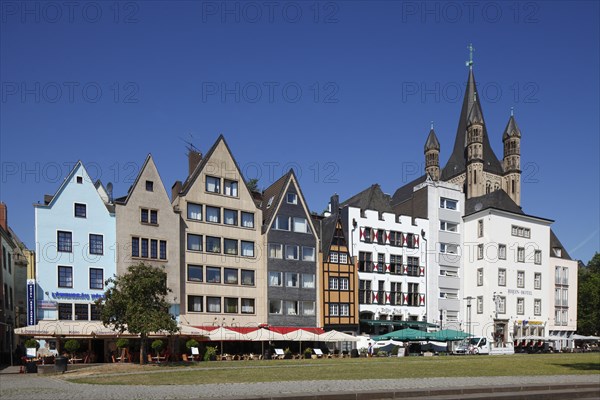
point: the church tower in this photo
(474, 143)
(512, 160)
(432, 155)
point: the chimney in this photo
(335, 203)
(3, 216)
(194, 158)
(175, 189)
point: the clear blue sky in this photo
(342, 91)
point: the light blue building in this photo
(75, 234)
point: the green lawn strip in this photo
(356, 369)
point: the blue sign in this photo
(30, 302)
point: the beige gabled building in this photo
(148, 229)
(223, 263)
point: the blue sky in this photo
(342, 91)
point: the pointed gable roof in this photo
(456, 164)
(405, 192)
(556, 244)
(371, 198)
(149, 162)
(512, 129)
(432, 142)
(328, 229)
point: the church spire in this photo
(432, 155)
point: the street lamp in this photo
(468, 299)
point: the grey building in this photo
(292, 245)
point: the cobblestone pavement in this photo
(32, 387)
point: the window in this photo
(247, 249)
(96, 244)
(144, 248)
(231, 304)
(163, 249)
(333, 284)
(213, 274)
(213, 304)
(149, 186)
(502, 251)
(537, 257)
(194, 273)
(275, 250)
(448, 203)
(343, 258)
(292, 198)
(412, 264)
(364, 292)
(194, 242)
(282, 223)
(557, 252)
(291, 279)
(520, 279)
(96, 278)
(520, 306)
(557, 293)
(413, 294)
(396, 264)
(275, 279)
(213, 185)
(520, 231)
(565, 297)
(308, 253)
(334, 310)
(230, 217)
(80, 179)
(448, 226)
(65, 277)
(275, 307)
(230, 276)
(65, 311)
(480, 228)
(247, 306)
(480, 251)
(308, 281)
(380, 236)
(291, 252)
(501, 277)
(557, 316)
(557, 271)
(213, 244)
(501, 305)
(537, 280)
(144, 215)
(448, 248)
(247, 277)
(565, 317)
(65, 241)
(333, 257)
(194, 303)
(344, 310)
(80, 210)
(247, 219)
(231, 188)
(344, 283)
(213, 214)
(479, 304)
(154, 248)
(154, 217)
(81, 312)
(520, 254)
(94, 312)
(308, 308)
(135, 247)
(301, 225)
(365, 263)
(395, 238)
(194, 211)
(230, 246)
(565, 276)
(537, 307)
(366, 235)
(291, 307)
(480, 277)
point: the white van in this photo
(481, 345)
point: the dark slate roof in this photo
(511, 129)
(457, 162)
(327, 231)
(475, 115)
(432, 142)
(371, 198)
(555, 243)
(405, 192)
(498, 199)
(275, 192)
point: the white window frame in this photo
(479, 276)
(333, 283)
(292, 252)
(308, 281)
(278, 249)
(291, 198)
(333, 257)
(447, 226)
(448, 204)
(520, 279)
(310, 256)
(501, 276)
(230, 188)
(501, 251)
(344, 283)
(278, 275)
(334, 310)
(537, 280)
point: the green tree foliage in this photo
(136, 302)
(253, 185)
(588, 298)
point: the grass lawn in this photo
(339, 369)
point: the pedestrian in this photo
(370, 349)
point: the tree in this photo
(136, 302)
(588, 298)
(253, 185)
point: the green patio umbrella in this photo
(447, 335)
(403, 335)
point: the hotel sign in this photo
(77, 296)
(30, 302)
(520, 292)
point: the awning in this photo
(403, 335)
(379, 322)
(52, 329)
(335, 336)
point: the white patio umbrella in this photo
(336, 336)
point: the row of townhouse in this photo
(451, 249)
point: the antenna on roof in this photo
(109, 190)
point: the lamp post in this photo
(468, 299)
